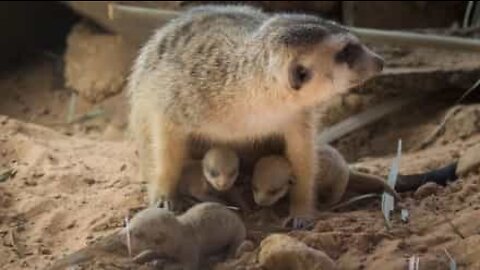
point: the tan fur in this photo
(158, 234)
(273, 176)
(224, 74)
(282, 252)
(271, 179)
(221, 167)
(196, 180)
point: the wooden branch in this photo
(139, 28)
(409, 39)
(363, 119)
(137, 23)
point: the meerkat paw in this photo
(170, 204)
(299, 223)
(165, 204)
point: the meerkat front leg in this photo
(169, 147)
(299, 138)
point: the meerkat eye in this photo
(298, 76)
(214, 173)
(349, 54)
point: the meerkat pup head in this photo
(271, 180)
(221, 167)
(311, 59)
(154, 228)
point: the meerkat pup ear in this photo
(298, 75)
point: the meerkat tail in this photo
(111, 243)
(78, 257)
(368, 183)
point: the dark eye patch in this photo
(349, 54)
(298, 76)
(214, 173)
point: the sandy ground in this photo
(76, 183)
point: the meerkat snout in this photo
(270, 197)
(360, 59)
(221, 167)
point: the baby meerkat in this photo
(273, 177)
(221, 168)
(233, 75)
(213, 178)
(156, 233)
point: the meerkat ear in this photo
(298, 75)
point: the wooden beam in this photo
(138, 23)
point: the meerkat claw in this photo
(165, 204)
(145, 256)
(298, 223)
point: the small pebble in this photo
(123, 168)
(72, 225)
(45, 251)
(89, 181)
(30, 183)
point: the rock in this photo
(282, 252)
(96, 64)
(469, 160)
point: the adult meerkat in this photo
(234, 74)
(273, 176)
(156, 233)
(213, 178)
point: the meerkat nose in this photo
(223, 184)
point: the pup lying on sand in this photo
(205, 229)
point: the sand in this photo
(73, 184)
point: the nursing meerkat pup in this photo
(233, 74)
(220, 168)
(213, 178)
(273, 176)
(158, 234)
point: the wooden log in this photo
(138, 23)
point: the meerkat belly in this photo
(241, 126)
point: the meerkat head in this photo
(153, 228)
(220, 167)
(310, 59)
(271, 180)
